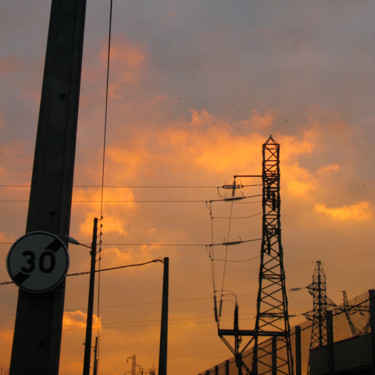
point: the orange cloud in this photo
(359, 211)
(111, 224)
(90, 198)
(299, 181)
(260, 120)
(211, 144)
(331, 168)
(115, 257)
(77, 320)
(127, 61)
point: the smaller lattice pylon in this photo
(321, 303)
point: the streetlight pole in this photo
(90, 305)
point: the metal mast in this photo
(272, 307)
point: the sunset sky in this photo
(196, 87)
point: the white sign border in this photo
(59, 280)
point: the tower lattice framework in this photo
(318, 315)
(272, 318)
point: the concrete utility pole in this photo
(164, 321)
(38, 326)
(90, 304)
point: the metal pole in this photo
(90, 305)
(38, 324)
(164, 321)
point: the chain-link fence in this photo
(349, 343)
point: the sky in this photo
(195, 89)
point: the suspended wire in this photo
(103, 171)
(104, 269)
(212, 263)
(237, 260)
(237, 217)
(233, 199)
(207, 246)
(226, 250)
(101, 201)
(134, 186)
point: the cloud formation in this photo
(359, 211)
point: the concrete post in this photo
(38, 325)
(164, 321)
(298, 350)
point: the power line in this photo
(102, 270)
(164, 244)
(135, 186)
(140, 200)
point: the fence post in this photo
(227, 367)
(297, 333)
(330, 353)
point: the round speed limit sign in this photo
(38, 262)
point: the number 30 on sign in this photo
(38, 262)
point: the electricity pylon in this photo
(272, 317)
(318, 315)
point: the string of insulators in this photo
(233, 198)
(232, 243)
(220, 307)
(233, 186)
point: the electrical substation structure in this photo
(272, 318)
(323, 306)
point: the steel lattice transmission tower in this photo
(272, 307)
(318, 315)
(318, 290)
